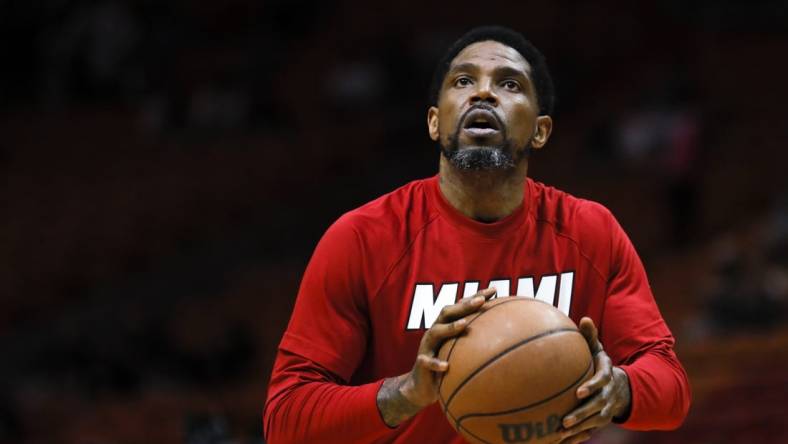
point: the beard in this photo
(491, 157)
(481, 157)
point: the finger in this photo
(587, 427)
(438, 333)
(588, 409)
(589, 331)
(464, 307)
(603, 374)
(581, 437)
(425, 362)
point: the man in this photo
(393, 279)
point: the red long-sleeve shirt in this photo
(381, 273)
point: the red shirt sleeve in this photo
(638, 341)
(308, 396)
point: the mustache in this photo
(485, 107)
(482, 106)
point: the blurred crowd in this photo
(170, 166)
(748, 285)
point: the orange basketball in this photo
(513, 374)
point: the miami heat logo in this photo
(426, 304)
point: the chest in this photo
(441, 269)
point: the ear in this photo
(432, 123)
(544, 127)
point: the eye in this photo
(462, 81)
(511, 85)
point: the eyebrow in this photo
(506, 71)
(464, 67)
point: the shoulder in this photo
(570, 215)
(371, 238)
(400, 213)
(588, 226)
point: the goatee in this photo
(482, 157)
(479, 158)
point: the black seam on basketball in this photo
(527, 407)
(452, 418)
(476, 436)
(448, 355)
(507, 350)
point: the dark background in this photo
(167, 168)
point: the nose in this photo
(484, 93)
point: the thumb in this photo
(589, 331)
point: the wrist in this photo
(395, 401)
(624, 394)
(407, 389)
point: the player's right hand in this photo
(421, 387)
(402, 397)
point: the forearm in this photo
(324, 412)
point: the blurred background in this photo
(168, 166)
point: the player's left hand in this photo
(606, 395)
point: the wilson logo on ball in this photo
(524, 432)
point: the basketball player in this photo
(393, 279)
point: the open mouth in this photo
(481, 123)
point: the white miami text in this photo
(426, 304)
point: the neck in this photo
(485, 196)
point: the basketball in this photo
(514, 372)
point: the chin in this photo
(481, 158)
